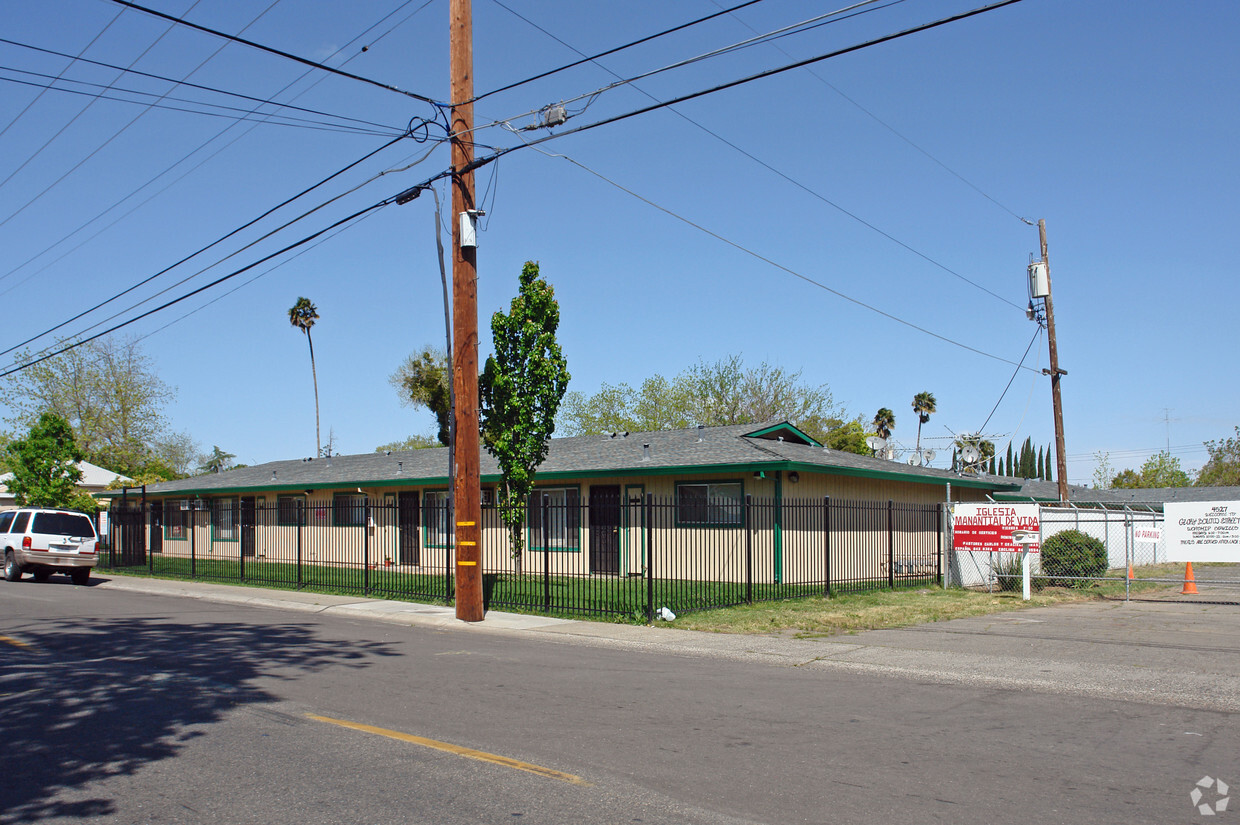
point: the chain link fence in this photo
(1083, 543)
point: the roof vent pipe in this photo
(700, 428)
(400, 467)
(645, 452)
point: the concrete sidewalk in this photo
(1172, 653)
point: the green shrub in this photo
(1073, 554)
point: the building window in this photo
(290, 510)
(349, 510)
(176, 518)
(563, 518)
(710, 503)
(436, 518)
(224, 512)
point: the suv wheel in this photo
(80, 576)
(12, 570)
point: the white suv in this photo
(48, 541)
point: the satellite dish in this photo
(927, 456)
(876, 442)
(970, 453)
(915, 460)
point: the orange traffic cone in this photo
(1130, 576)
(1190, 583)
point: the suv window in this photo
(63, 524)
(6, 519)
(19, 523)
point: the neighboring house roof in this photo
(94, 478)
(1038, 490)
(739, 448)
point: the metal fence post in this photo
(748, 516)
(826, 534)
(891, 543)
(649, 558)
(366, 545)
(146, 536)
(938, 545)
(301, 518)
(193, 544)
(546, 543)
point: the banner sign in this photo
(989, 527)
(1202, 530)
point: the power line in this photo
(894, 131)
(413, 131)
(135, 119)
(1036, 333)
(212, 89)
(283, 120)
(786, 269)
(203, 249)
(278, 52)
(68, 66)
(592, 58)
(48, 355)
(794, 181)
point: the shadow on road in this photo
(88, 700)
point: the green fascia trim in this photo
(636, 471)
(785, 426)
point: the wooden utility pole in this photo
(1061, 454)
(467, 509)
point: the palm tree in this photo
(303, 315)
(884, 420)
(923, 405)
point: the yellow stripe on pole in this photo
(467, 563)
(466, 523)
(448, 747)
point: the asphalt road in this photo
(182, 705)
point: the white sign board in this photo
(1146, 533)
(989, 527)
(1202, 530)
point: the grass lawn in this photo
(816, 617)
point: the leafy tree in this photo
(302, 316)
(524, 382)
(924, 406)
(1103, 474)
(846, 436)
(217, 462)
(884, 422)
(413, 442)
(709, 393)
(424, 380)
(45, 471)
(108, 392)
(1223, 468)
(1160, 470)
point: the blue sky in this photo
(1113, 121)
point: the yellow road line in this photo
(15, 642)
(468, 753)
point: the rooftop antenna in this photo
(875, 443)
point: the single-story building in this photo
(95, 479)
(605, 498)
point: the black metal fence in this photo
(626, 556)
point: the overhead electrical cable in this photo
(74, 119)
(795, 182)
(592, 58)
(203, 249)
(62, 350)
(69, 65)
(186, 83)
(191, 153)
(892, 129)
(135, 119)
(1036, 333)
(479, 162)
(278, 52)
(782, 268)
(225, 111)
